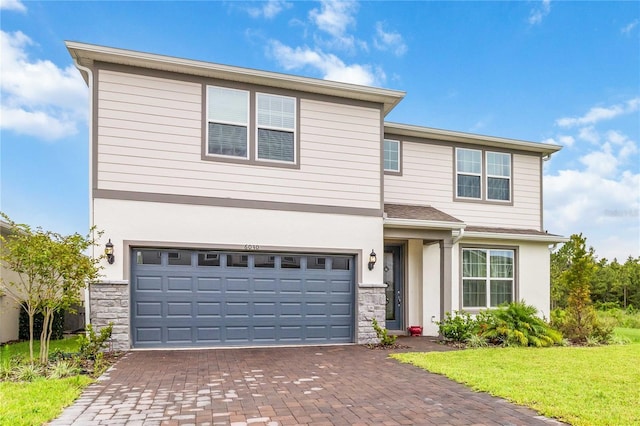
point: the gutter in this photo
(518, 237)
(87, 296)
(422, 224)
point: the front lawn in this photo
(37, 402)
(579, 385)
(40, 400)
(632, 334)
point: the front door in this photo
(395, 289)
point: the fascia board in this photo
(468, 138)
(87, 54)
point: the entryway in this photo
(394, 279)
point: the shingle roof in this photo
(403, 211)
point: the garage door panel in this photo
(179, 309)
(265, 285)
(237, 299)
(177, 284)
(148, 335)
(210, 335)
(147, 283)
(209, 284)
(290, 286)
(148, 309)
(179, 335)
(208, 310)
(237, 285)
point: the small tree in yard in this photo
(577, 277)
(51, 269)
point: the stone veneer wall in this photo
(110, 303)
(371, 304)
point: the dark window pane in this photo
(290, 262)
(264, 261)
(238, 260)
(180, 258)
(315, 262)
(340, 263)
(227, 139)
(468, 186)
(474, 293)
(148, 257)
(208, 259)
(500, 292)
(275, 145)
(498, 189)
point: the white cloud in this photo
(596, 114)
(626, 30)
(600, 197)
(537, 14)
(268, 9)
(589, 134)
(334, 17)
(391, 41)
(330, 66)
(566, 140)
(15, 5)
(39, 98)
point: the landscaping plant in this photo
(516, 324)
(458, 327)
(52, 269)
(383, 335)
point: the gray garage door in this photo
(182, 298)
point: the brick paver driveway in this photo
(322, 385)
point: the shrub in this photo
(458, 327)
(92, 343)
(516, 324)
(64, 369)
(383, 334)
(476, 341)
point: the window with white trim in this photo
(498, 176)
(469, 173)
(391, 155)
(276, 124)
(472, 172)
(227, 122)
(487, 277)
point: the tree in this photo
(52, 270)
(577, 280)
(561, 261)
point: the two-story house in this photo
(255, 208)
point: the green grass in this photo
(22, 348)
(37, 402)
(578, 385)
(632, 334)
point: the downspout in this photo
(458, 237)
(87, 296)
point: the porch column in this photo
(446, 265)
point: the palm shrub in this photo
(516, 324)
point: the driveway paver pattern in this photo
(319, 385)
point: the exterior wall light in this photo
(372, 260)
(108, 251)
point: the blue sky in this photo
(544, 71)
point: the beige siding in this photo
(428, 176)
(150, 136)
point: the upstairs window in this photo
(391, 156)
(276, 123)
(469, 173)
(227, 122)
(498, 176)
(488, 180)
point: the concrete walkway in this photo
(321, 385)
